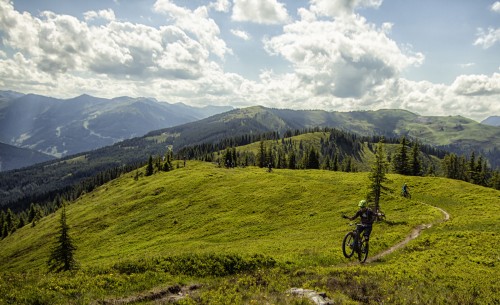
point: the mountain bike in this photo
(406, 194)
(353, 243)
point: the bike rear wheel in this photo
(348, 245)
(363, 250)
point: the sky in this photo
(430, 57)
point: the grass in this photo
(232, 223)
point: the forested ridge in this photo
(40, 190)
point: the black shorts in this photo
(366, 230)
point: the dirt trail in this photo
(322, 299)
(414, 234)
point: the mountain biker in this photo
(405, 189)
(367, 218)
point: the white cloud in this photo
(475, 85)
(196, 22)
(467, 65)
(241, 34)
(426, 98)
(108, 15)
(495, 7)
(341, 64)
(487, 39)
(221, 5)
(260, 11)
(61, 45)
(345, 57)
(334, 8)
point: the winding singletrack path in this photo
(414, 234)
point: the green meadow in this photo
(246, 236)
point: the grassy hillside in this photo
(131, 235)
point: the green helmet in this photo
(362, 203)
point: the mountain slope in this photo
(455, 134)
(65, 127)
(492, 120)
(12, 157)
(127, 231)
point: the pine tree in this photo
(2, 220)
(10, 221)
(270, 157)
(335, 166)
(149, 168)
(472, 169)
(416, 165)
(347, 164)
(292, 160)
(234, 156)
(401, 159)
(5, 230)
(377, 175)
(61, 257)
(495, 180)
(313, 159)
(31, 212)
(327, 163)
(261, 155)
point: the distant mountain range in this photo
(452, 133)
(492, 121)
(60, 127)
(66, 127)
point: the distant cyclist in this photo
(405, 191)
(367, 218)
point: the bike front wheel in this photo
(363, 251)
(348, 245)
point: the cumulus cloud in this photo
(59, 55)
(474, 85)
(197, 23)
(495, 7)
(241, 34)
(336, 61)
(108, 15)
(60, 43)
(487, 39)
(345, 57)
(335, 8)
(426, 98)
(260, 11)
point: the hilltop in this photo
(128, 232)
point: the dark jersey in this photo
(367, 216)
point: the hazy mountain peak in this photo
(492, 121)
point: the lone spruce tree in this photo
(149, 168)
(377, 174)
(61, 256)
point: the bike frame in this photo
(359, 244)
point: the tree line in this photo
(337, 150)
